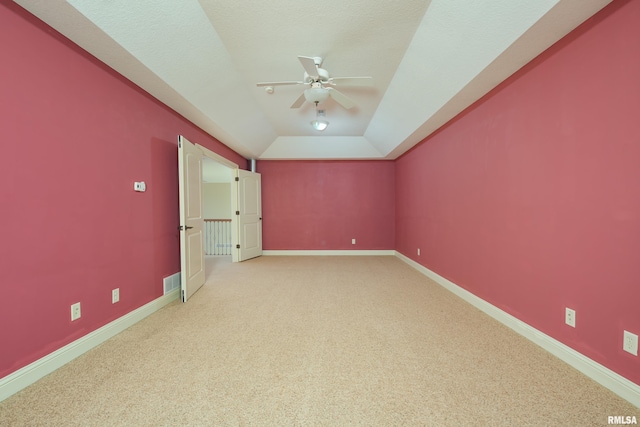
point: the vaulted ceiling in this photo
(429, 59)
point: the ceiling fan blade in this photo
(341, 99)
(351, 81)
(278, 83)
(298, 102)
(309, 65)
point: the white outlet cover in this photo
(630, 343)
(75, 311)
(570, 317)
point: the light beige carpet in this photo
(316, 341)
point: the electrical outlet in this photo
(570, 317)
(630, 343)
(418, 251)
(353, 241)
(115, 295)
(75, 311)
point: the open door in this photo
(191, 221)
(248, 214)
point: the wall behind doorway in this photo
(322, 205)
(217, 200)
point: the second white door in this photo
(248, 214)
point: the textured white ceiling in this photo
(429, 60)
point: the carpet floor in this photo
(316, 341)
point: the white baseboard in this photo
(374, 252)
(31, 373)
(618, 384)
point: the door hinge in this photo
(237, 212)
(183, 300)
(237, 246)
(237, 178)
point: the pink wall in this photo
(324, 204)
(75, 138)
(531, 198)
(528, 199)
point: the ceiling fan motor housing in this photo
(323, 76)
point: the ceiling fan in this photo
(320, 84)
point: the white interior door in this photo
(191, 221)
(249, 214)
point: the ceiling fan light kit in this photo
(316, 94)
(320, 123)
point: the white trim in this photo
(217, 157)
(618, 384)
(329, 253)
(31, 373)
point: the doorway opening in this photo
(217, 209)
(243, 213)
